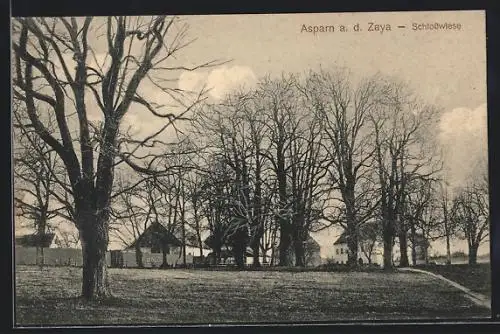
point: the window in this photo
(341, 251)
(337, 251)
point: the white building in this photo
(376, 254)
(340, 251)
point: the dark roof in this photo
(156, 234)
(313, 243)
(342, 239)
(35, 240)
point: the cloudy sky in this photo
(446, 67)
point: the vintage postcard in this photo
(264, 168)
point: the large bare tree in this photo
(278, 100)
(404, 141)
(56, 66)
(470, 212)
(344, 109)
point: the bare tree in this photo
(54, 67)
(132, 213)
(214, 190)
(307, 178)
(345, 110)
(447, 227)
(278, 99)
(67, 238)
(37, 171)
(471, 214)
(195, 199)
(416, 210)
(403, 139)
(369, 236)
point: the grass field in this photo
(475, 277)
(49, 297)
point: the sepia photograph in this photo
(250, 168)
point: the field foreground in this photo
(475, 277)
(49, 297)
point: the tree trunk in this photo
(94, 240)
(164, 250)
(352, 230)
(352, 243)
(299, 253)
(425, 246)
(239, 254)
(39, 256)
(387, 249)
(255, 244)
(285, 243)
(473, 253)
(200, 243)
(41, 229)
(256, 255)
(403, 249)
(284, 223)
(217, 252)
(448, 250)
(413, 245)
(284, 249)
(184, 261)
(257, 204)
(42, 257)
(138, 255)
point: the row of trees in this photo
(261, 169)
(256, 177)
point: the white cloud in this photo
(219, 81)
(464, 120)
(463, 134)
(192, 81)
(222, 80)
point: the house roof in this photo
(154, 234)
(35, 240)
(342, 239)
(311, 242)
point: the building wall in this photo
(249, 260)
(73, 257)
(52, 256)
(150, 260)
(195, 251)
(340, 254)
